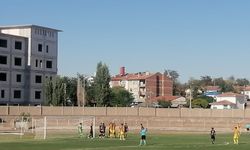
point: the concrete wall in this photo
(124, 111)
(156, 119)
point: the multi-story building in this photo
(28, 55)
(144, 85)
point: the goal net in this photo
(63, 126)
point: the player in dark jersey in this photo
(212, 134)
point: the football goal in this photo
(62, 126)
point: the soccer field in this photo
(154, 142)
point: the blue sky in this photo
(193, 37)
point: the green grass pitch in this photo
(154, 142)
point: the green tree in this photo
(206, 80)
(199, 103)
(164, 104)
(71, 90)
(90, 94)
(242, 82)
(121, 97)
(195, 86)
(55, 91)
(48, 92)
(219, 82)
(101, 85)
(202, 101)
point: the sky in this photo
(193, 37)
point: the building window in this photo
(36, 63)
(2, 94)
(37, 94)
(17, 94)
(48, 64)
(18, 45)
(38, 79)
(18, 78)
(3, 76)
(41, 64)
(3, 60)
(40, 47)
(47, 48)
(18, 61)
(3, 43)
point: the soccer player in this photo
(113, 131)
(110, 129)
(122, 132)
(141, 126)
(239, 128)
(126, 130)
(143, 133)
(102, 130)
(236, 135)
(212, 134)
(91, 131)
(80, 130)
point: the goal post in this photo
(62, 126)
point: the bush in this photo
(25, 117)
(164, 104)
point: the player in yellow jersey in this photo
(110, 129)
(122, 132)
(236, 135)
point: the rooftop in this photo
(135, 76)
(166, 98)
(229, 94)
(212, 88)
(27, 26)
(224, 102)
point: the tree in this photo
(55, 91)
(164, 104)
(202, 101)
(199, 103)
(71, 88)
(195, 87)
(174, 75)
(206, 80)
(48, 92)
(242, 82)
(90, 94)
(219, 81)
(121, 97)
(101, 85)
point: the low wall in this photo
(123, 111)
(155, 119)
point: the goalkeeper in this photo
(80, 130)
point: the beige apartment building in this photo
(28, 56)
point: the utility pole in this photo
(65, 92)
(190, 98)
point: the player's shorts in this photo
(212, 137)
(143, 137)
